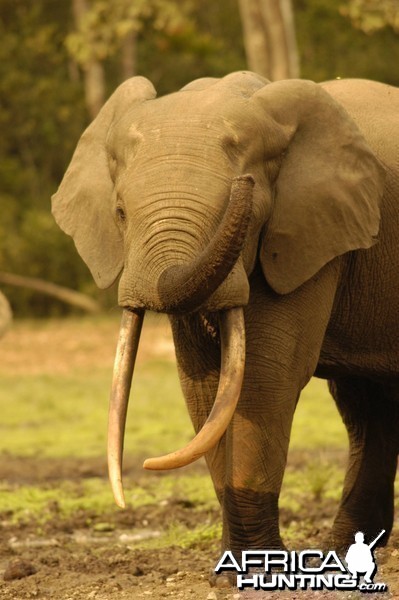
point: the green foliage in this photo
(372, 15)
(106, 24)
(195, 40)
(330, 47)
(41, 116)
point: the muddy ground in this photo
(92, 557)
(88, 557)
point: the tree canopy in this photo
(373, 15)
(47, 50)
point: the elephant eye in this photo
(120, 215)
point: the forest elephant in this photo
(262, 219)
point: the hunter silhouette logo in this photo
(360, 559)
(306, 570)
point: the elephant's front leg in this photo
(284, 336)
(247, 465)
(197, 346)
(257, 440)
(257, 446)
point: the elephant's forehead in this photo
(197, 109)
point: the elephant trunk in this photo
(232, 334)
(183, 288)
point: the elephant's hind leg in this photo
(371, 415)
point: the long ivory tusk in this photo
(126, 351)
(232, 332)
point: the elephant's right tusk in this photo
(232, 333)
(126, 351)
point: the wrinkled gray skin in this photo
(318, 273)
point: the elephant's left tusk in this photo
(232, 333)
(129, 336)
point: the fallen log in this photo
(51, 289)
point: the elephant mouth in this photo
(184, 289)
(232, 337)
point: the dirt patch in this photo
(89, 556)
(64, 346)
(86, 555)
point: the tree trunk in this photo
(93, 70)
(94, 87)
(129, 56)
(290, 38)
(5, 314)
(269, 38)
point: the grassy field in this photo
(54, 394)
(55, 380)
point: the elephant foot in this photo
(343, 535)
(222, 581)
(367, 510)
(228, 580)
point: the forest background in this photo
(60, 59)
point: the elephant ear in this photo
(329, 186)
(82, 205)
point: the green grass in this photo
(158, 420)
(67, 416)
(52, 416)
(93, 494)
(317, 424)
(29, 502)
(62, 415)
(179, 535)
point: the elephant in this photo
(261, 218)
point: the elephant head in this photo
(183, 194)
